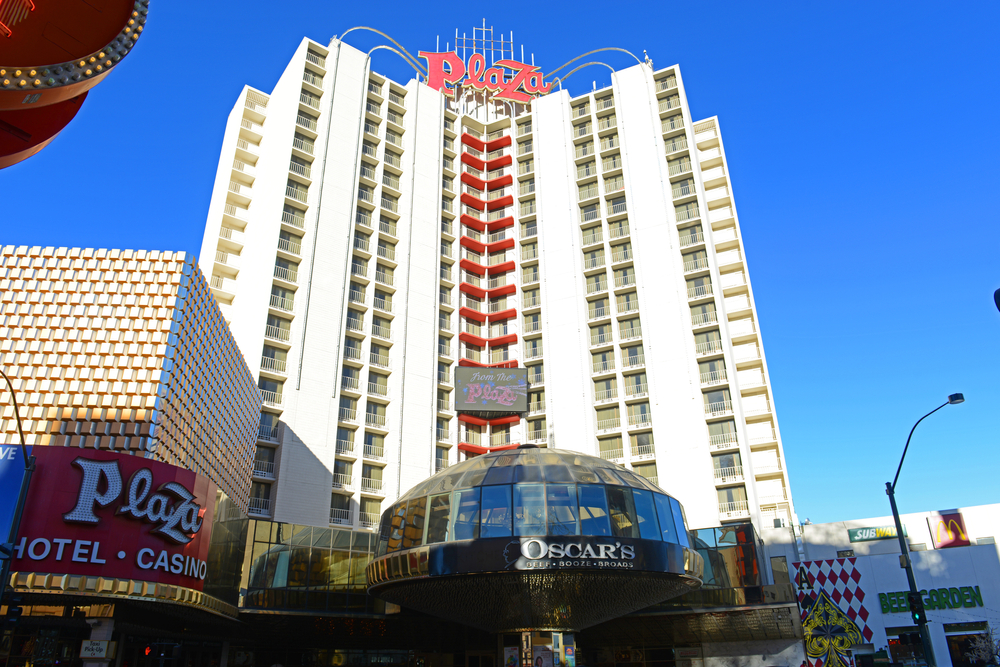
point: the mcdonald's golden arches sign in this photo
(948, 529)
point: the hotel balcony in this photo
(719, 409)
(723, 442)
(729, 475)
(368, 519)
(340, 517)
(374, 453)
(268, 434)
(643, 453)
(259, 507)
(612, 454)
(372, 486)
(343, 482)
(263, 469)
(713, 378)
(735, 510)
(271, 398)
(345, 448)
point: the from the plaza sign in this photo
(511, 80)
(491, 389)
(99, 513)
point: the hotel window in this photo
(272, 387)
(536, 401)
(345, 436)
(378, 384)
(345, 468)
(533, 347)
(593, 259)
(696, 260)
(699, 287)
(605, 390)
(673, 123)
(632, 356)
(618, 228)
(444, 374)
(371, 472)
(647, 470)
(441, 456)
(473, 352)
(642, 444)
(718, 400)
(274, 359)
(340, 502)
(443, 430)
(703, 314)
(687, 211)
(734, 498)
(387, 250)
(625, 277)
(597, 283)
(532, 323)
(303, 143)
(349, 378)
(679, 165)
(530, 275)
(598, 308)
(370, 509)
(684, 188)
(609, 418)
(722, 432)
(600, 335)
(285, 270)
(635, 385)
(727, 464)
(260, 491)
(627, 302)
(502, 353)
(610, 448)
(348, 407)
(713, 370)
(638, 413)
(532, 298)
(586, 170)
(309, 99)
(536, 373)
(708, 342)
(603, 361)
(374, 445)
(536, 429)
(587, 191)
(375, 414)
(289, 242)
(589, 212)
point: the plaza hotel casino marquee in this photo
(107, 534)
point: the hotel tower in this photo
(368, 237)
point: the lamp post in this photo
(7, 549)
(916, 604)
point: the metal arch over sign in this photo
(525, 81)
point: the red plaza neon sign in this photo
(526, 82)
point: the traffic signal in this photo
(14, 611)
(916, 604)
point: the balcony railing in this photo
(273, 365)
(380, 360)
(340, 517)
(382, 332)
(605, 395)
(268, 433)
(348, 383)
(612, 454)
(713, 377)
(263, 469)
(619, 232)
(368, 519)
(616, 207)
(347, 415)
(642, 451)
(440, 464)
(702, 319)
(641, 419)
(633, 361)
(666, 84)
(369, 485)
(723, 441)
(730, 473)
(739, 508)
(375, 420)
(285, 304)
(289, 246)
(699, 291)
(277, 333)
(376, 389)
(636, 390)
(259, 506)
(342, 481)
(374, 452)
(708, 347)
(272, 398)
(692, 239)
(345, 446)
(288, 275)
(719, 408)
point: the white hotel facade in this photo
(365, 237)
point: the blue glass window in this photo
(645, 512)
(678, 512)
(621, 509)
(529, 509)
(666, 517)
(466, 525)
(437, 518)
(561, 503)
(593, 510)
(496, 512)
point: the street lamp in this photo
(916, 603)
(7, 548)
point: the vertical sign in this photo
(11, 470)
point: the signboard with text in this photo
(491, 389)
(100, 513)
(11, 471)
(507, 79)
(872, 533)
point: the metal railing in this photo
(640, 419)
(263, 469)
(708, 347)
(277, 333)
(597, 286)
(611, 454)
(723, 441)
(696, 264)
(288, 275)
(616, 207)
(382, 332)
(618, 232)
(699, 291)
(739, 507)
(603, 366)
(606, 394)
(380, 360)
(259, 506)
(374, 452)
(369, 485)
(342, 481)
(347, 414)
(636, 390)
(272, 398)
(368, 519)
(376, 389)
(345, 447)
(729, 473)
(375, 420)
(702, 319)
(268, 433)
(719, 408)
(340, 517)
(303, 145)
(348, 383)
(633, 361)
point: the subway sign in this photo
(873, 533)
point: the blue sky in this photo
(862, 141)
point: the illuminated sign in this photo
(948, 529)
(491, 389)
(514, 81)
(935, 598)
(873, 533)
(111, 515)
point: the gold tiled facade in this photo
(125, 350)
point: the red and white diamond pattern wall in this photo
(841, 579)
